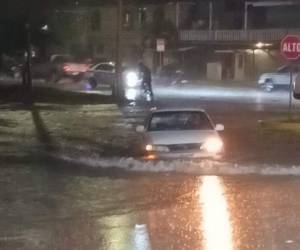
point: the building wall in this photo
(239, 66)
(98, 40)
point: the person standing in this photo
(146, 79)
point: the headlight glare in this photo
(149, 147)
(213, 145)
(131, 79)
(161, 148)
(131, 94)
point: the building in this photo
(92, 31)
(235, 40)
(242, 42)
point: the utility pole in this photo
(211, 15)
(177, 8)
(118, 82)
(26, 72)
(246, 16)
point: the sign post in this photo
(160, 48)
(290, 50)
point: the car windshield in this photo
(187, 120)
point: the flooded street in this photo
(49, 208)
(72, 178)
(149, 125)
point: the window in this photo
(95, 21)
(105, 67)
(127, 20)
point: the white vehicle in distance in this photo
(280, 78)
(101, 74)
(183, 133)
(104, 75)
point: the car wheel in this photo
(53, 77)
(77, 78)
(93, 83)
(269, 86)
(17, 75)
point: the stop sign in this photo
(290, 47)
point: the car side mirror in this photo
(219, 127)
(140, 129)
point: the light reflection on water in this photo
(141, 238)
(217, 228)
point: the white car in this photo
(280, 78)
(183, 133)
(101, 74)
(104, 75)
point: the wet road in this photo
(47, 204)
(45, 209)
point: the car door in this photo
(104, 73)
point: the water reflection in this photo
(141, 238)
(217, 228)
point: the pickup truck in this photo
(280, 78)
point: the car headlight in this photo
(131, 79)
(157, 148)
(213, 145)
(149, 147)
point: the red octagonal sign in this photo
(290, 47)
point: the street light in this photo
(261, 45)
(45, 28)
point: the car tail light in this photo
(67, 68)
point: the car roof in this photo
(107, 63)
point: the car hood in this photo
(275, 75)
(179, 137)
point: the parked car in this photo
(10, 66)
(171, 74)
(104, 75)
(181, 133)
(101, 74)
(58, 67)
(280, 78)
(296, 87)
